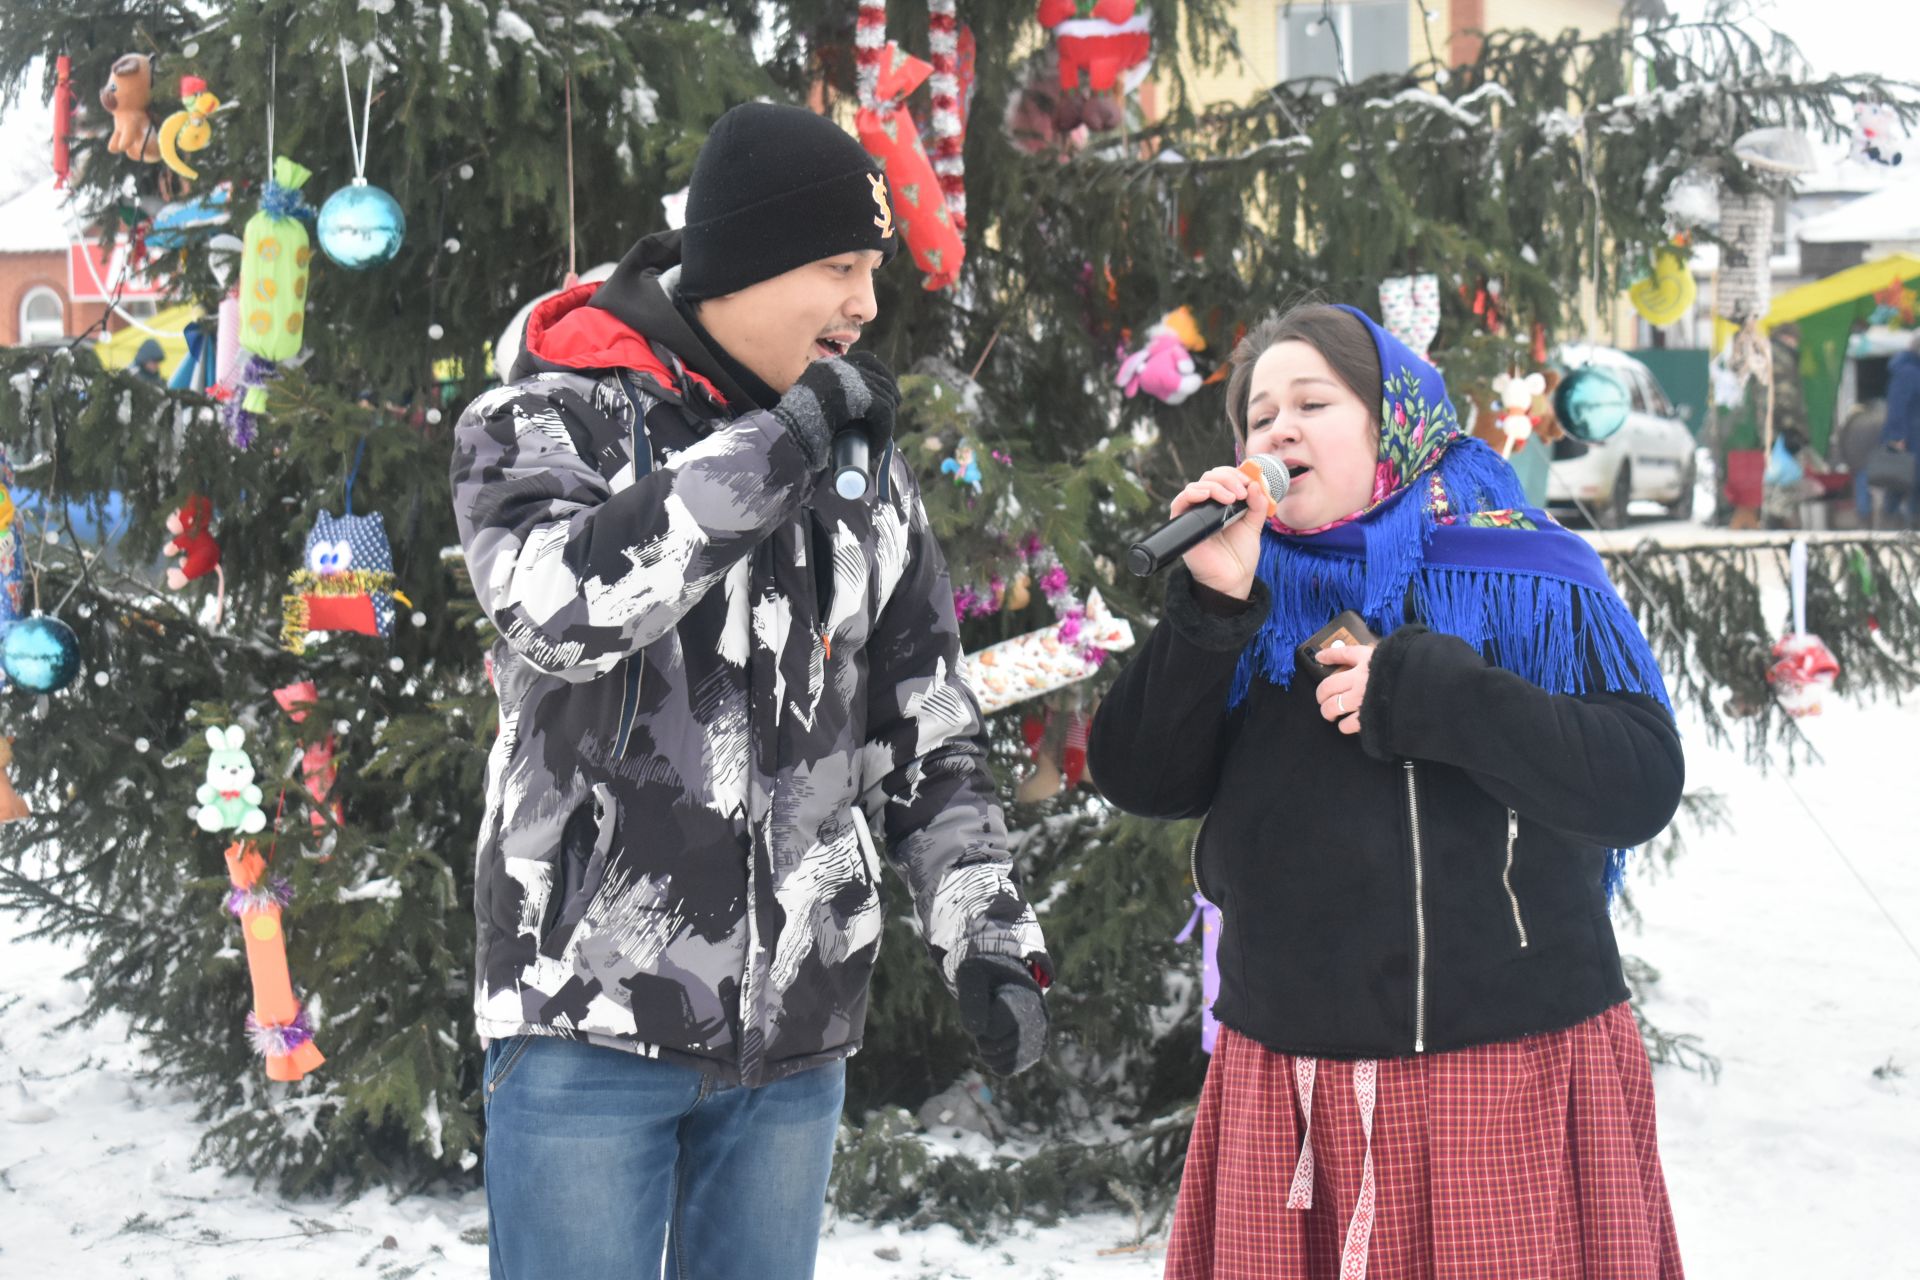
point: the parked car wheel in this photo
(1613, 515)
(1681, 508)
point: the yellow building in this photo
(1280, 40)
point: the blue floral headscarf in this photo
(1447, 540)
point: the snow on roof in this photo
(1841, 174)
(1889, 215)
(35, 221)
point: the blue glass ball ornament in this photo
(41, 654)
(361, 226)
(1592, 403)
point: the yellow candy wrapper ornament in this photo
(273, 295)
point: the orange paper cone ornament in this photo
(278, 1025)
(12, 807)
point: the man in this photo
(718, 680)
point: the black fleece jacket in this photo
(1432, 883)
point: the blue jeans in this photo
(1892, 505)
(604, 1165)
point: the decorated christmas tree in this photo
(1058, 389)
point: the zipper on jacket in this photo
(1419, 916)
(635, 671)
(817, 548)
(640, 458)
(1506, 877)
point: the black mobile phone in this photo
(1346, 629)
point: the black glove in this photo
(1002, 1009)
(835, 392)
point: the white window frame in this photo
(1342, 13)
(33, 295)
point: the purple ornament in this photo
(274, 1040)
(261, 896)
(1207, 916)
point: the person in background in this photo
(146, 362)
(1901, 432)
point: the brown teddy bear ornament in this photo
(128, 92)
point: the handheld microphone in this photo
(852, 461)
(1194, 526)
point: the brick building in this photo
(36, 303)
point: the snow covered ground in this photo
(1801, 1161)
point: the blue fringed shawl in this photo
(1456, 544)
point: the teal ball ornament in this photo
(41, 654)
(361, 226)
(1592, 403)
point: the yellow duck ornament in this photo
(188, 129)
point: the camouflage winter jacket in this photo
(718, 682)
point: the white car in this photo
(1650, 459)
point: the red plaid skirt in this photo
(1531, 1160)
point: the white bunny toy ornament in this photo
(229, 800)
(1516, 396)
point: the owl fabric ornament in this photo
(199, 554)
(274, 268)
(345, 582)
(229, 798)
(126, 96)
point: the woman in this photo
(1426, 1064)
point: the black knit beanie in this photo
(775, 188)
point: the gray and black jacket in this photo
(718, 683)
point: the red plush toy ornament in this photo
(1103, 40)
(887, 131)
(200, 554)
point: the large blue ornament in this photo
(361, 226)
(41, 654)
